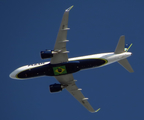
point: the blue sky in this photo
(28, 27)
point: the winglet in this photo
(97, 110)
(67, 10)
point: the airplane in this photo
(62, 67)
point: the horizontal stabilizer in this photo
(120, 45)
(126, 65)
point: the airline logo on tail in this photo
(127, 47)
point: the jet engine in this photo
(46, 54)
(55, 87)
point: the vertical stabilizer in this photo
(120, 45)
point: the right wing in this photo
(71, 87)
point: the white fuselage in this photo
(107, 57)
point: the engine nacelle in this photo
(55, 87)
(46, 54)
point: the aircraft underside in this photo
(62, 68)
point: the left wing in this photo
(69, 82)
(60, 44)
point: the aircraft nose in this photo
(13, 75)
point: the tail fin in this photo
(120, 45)
(126, 65)
(120, 49)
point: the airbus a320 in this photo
(62, 67)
